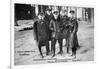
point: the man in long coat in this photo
(55, 30)
(73, 33)
(41, 33)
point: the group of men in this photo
(53, 26)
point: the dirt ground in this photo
(26, 50)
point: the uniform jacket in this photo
(40, 30)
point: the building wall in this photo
(79, 13)
(30, 11)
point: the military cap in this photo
(48, 9)
(55, 12)
(41, 13)
(72, 11)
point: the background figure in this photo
(73, 33)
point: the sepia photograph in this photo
(52, 34)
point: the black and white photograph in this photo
(52, 34)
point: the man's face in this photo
(41, 16)
(65, 12)
(48, 12)
(56, 15)
(62, 13)
(72, 15)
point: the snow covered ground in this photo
(26, 50)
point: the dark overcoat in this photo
(73, 33)
(47, 19)
(41, 31)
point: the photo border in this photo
(40, 3)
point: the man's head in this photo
(48, 11)
(72, 13)
(63, 12)
(55, 14)
(41, 15)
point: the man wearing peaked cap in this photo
(72, 14)
(56, 15)
(48, 15)
(47, 18)
(74, 29)
(41, 15)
